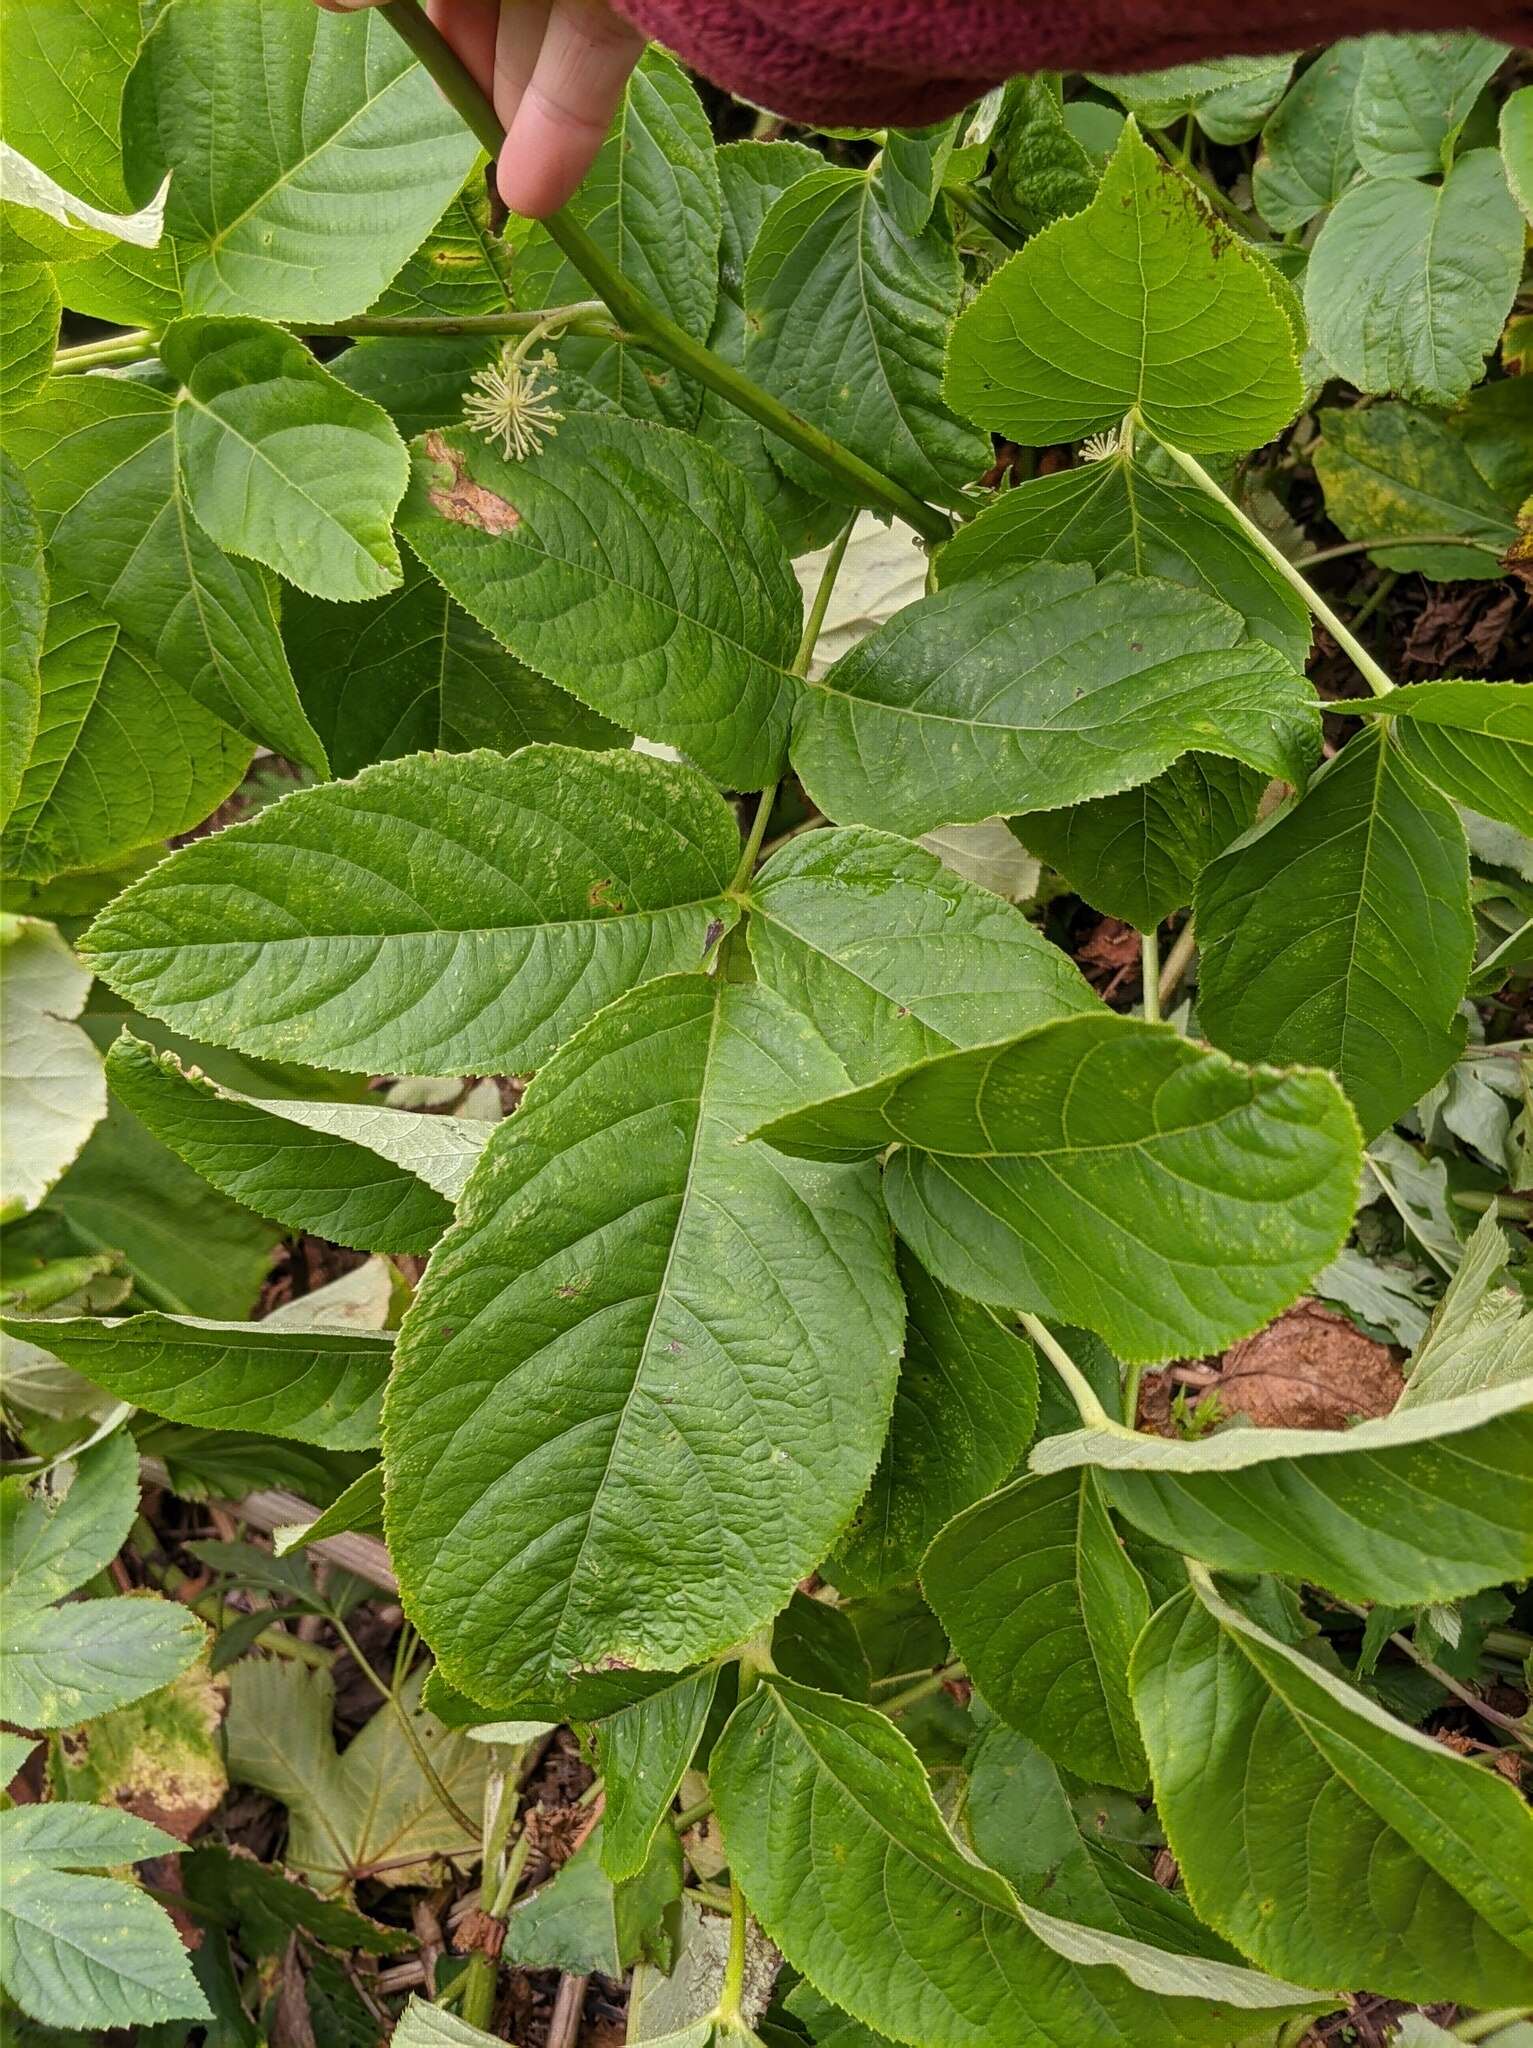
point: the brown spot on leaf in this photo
(463, 501)
(600, 896)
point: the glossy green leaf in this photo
(122, 757)
(281, 463)
(1413, 95)
(29, 325)
(642, 1755)
(55, 1091)
(412, 672)
(630, 565)
(1473, 741)
(843, 1856)
(85, 1950)
(1228, 96)
(1141, 301)
(447, 942)
(963, 1416)
(1482, 1333)
(309, 154)
(1517, 147)
(23, 621)
(1340, 933)
(1320, 1834)
(1042, 1603)
(1042, 171)
(1141, 517)
(1041, 687)
(1309, 145)
(1138, 856)
(1208, 1192)
(100, 461)
(846, 313)
(893, 956)
(1392, 469)
(321, 1176)
(1408, 285)
(674, 1355)
(911, 168)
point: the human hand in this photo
(555, 71)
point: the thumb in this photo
(567, 108)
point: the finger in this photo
(469, 25)
(568, 105)
(518, 42)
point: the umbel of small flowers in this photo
(511, 399)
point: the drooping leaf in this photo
(281, 463)
(1414, 93)
(23, 620)
(1326, 1504)
(99, 458)
(1043, 1605)
(630, 565)
(309, 154)
(1042, 171)
(1138, 856)
(122, 757)
(448, 941)
(1340, 934)
(584, 1920)
(322, 1177)
(1093, 318)
(84, 1950)
(29, 325)
(893, 956)
(1482, 1333)
(268, 1905)
(643, 1753)
(1107, 1132)
(1039, 687)
(1309, 145)
(43, 221)
(412, 672)
(162, 1755)
(1408, 285)
(1229, 96)
(1473, 741)
(843, 1856)
(55, 1091)
(635, 1318)
(963, 1415)
(1139, 516)
(846, 312)
(369, 1811)
(1318, 1832)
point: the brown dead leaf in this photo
(1311, 1369)
(1461, 627)
(1109, 957)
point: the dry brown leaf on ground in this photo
(1311, 1369)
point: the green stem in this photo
(1178, 960)
(483, 1972)
(411, 1733)
(586, 316)
(1149, 969)
(923, 1688)
(136, 347)
(1347, 641)
(1515, 1208)
(1389, 540)
(689, 1816)
(1088, 1407)
(982, 210)
(645, 321)
(1132, 1375)
(733, 1989)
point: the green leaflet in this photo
(315, 1172)
(1340, 933)
(280, 462)
(963, 1415)
(322, 1386)
(1385, 1859)
(100, 462)
(426, 2026)
(1328, 1505)
(1393, 470)
(309, 154)
(412, 671)
(1408, 285)
(893, 956)
(359, 1506)
(456, 913)
(1042, 171)
(651, 202)
(1229, 96)
(642, 1753)
(674, 1355)
(1107, 1132)
(1092, 320)
(1142, 517)
(1474, 741)
(845, 1860)
(846, 312)
(1481, 1335)
(55, 1091)
(630, 565)
(1309, 146)
(1038, 688)
(1138, 856)
(1043, 1605)
(121, 758)
(1413, 95)
(29, 324)
(82, 1950)
(63, 1664)
(23, 620)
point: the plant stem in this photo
(1347, 641)
(1132, 1375)
(1515, 1208)
(1149, 973)
(585, 316)
(1449, 1683)
(1390, 540)
(411, 1733)
(645, 321)
(733, 1989)
(482, 1974)
(1178, 960)
(136, 347)
(1088, 1407)
(980, 209)
(689, 1816)
(923, 1688)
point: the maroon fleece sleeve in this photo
(872, 63)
